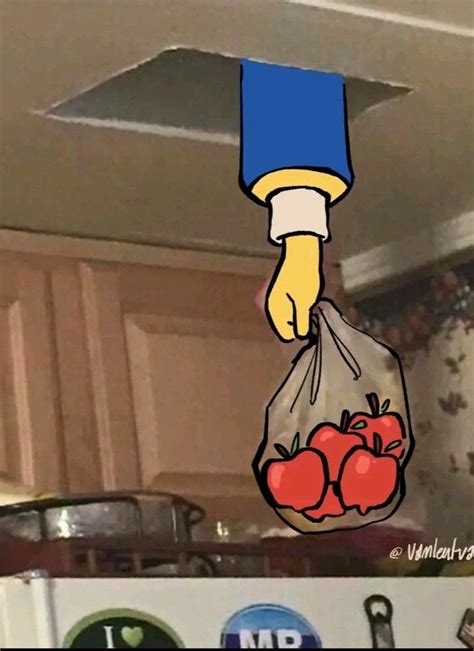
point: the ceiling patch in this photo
(186, 93)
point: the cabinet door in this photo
(182, 366)
(31, 446)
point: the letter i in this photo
(109, 637)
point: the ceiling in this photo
(412, 156)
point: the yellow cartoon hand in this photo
(295, 287)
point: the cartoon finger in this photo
(302, 318)
(281, 316)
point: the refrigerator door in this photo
(234, 613)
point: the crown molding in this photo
(373, 270)
(240, 262)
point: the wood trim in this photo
(374, 270)
(78, 418)
(206, 484)
(241, 262)
(110, 378)
(205, 328)
(8, 420)
(35, 384)
(148, 435)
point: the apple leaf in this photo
(393, 445)
(360, 424)
(295, 446)
(282, 451)
(385, 406)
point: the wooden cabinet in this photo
(121, 375)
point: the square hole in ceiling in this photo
(188, 93)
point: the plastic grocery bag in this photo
(337, 432)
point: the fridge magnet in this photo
(122, 629)
(466, 629)
(337, 433)
(379, 611)
(269, 627)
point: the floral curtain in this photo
(440, 384)
(432, 326)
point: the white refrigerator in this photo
(37, 612)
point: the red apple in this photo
(388, 425)
(299, 481)
(334, 443)
(368, 480)
(331, 505)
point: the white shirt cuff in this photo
(298, 210)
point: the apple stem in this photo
(345, 418)
(374, 403)
(377, 443)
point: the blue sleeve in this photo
(293, 119)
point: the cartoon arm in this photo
(295, 160)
